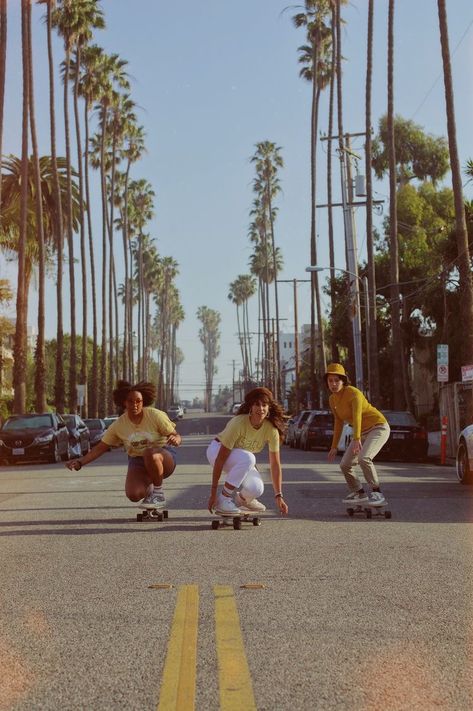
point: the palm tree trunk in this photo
(3, 63)
(103, 394)
(72, 399)
(93, 401)
(333, 342)
(40, 368)
(19, 349)
(399, 401)
(59, 383)
(464, 264)
(372, 346)
(83, 256)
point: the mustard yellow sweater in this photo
(350, 405)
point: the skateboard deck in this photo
(368, 511)
(151, 514)
(234, 520)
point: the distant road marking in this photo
(236, 688)
(179, 676)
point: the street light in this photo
(357, 345)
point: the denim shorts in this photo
(139, 462)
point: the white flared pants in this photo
(240, 470)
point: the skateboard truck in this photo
(149, 514)
(369, 511)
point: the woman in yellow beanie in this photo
(370, 432)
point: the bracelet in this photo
(278, 496)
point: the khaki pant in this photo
(372, 441)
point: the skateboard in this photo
(234, 520)
(151, 514)
(368, 511)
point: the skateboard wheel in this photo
(165, 513)
(350, 512)
(215, 525)
(159, 516)
(139, 516)
(387, 514)
(256, 521)
(369, 513)
(237, 523)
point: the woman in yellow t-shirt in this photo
(370, 432)
(149, 438)
(260, 421)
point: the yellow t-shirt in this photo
(152, 431)
(350, 405)
(240, 434)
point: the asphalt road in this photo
(102, 612)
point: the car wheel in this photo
(463, 465)
(67, 454)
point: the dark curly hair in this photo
(124, 388)
(275, 414)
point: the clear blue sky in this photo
(212, 79)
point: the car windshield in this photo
(28, 423)
(94, 424)
(400, 418)
(323, 420)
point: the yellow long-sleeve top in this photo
(350, 405)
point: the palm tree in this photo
(268, 160)
(464, 264)
(20, 344)
(209, 335)
(399, 389)
(3, 62)
(372, 346)
(40, 368)
(317, 71)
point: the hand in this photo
(74, 465)
(356, 446)
(212, 500)
(332, 454)
(174, 439)
(283, 507)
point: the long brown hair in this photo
(275, 414)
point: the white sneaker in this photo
(377, 499)
(154, 500)
(226, 506)
(356, 497)
(249, 504)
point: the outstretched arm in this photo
(96, 452)
(276, 476)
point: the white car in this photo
(235, 408)
(464, 461)
(345, 438)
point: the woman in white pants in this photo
(260, 421)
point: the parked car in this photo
(294, 425)
(34, 437)
(175, 412)
(464, 461)
(79, 436)
(108, 420)
(317, 430)
(97, 428)
(408, 439)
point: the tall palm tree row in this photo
(47, 200)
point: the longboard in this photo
(368, 511)
(151, 514)
(234, 520)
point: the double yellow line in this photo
(179, 677)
